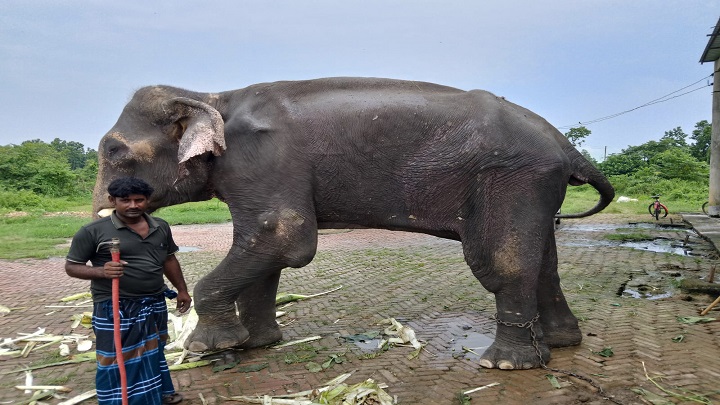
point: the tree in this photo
(35, 166)
(74, 152)
(675, 138)
(702, 135)
(677, 163)
(577, 135)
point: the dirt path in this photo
(626, 298)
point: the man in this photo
(147, 252)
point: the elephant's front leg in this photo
(215, 295)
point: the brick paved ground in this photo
(424, 283)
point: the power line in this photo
(649, 103)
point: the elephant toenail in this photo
(197, 346)
(485, 363)
(505, 365)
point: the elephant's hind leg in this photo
(506, 263)
(559, 324)
(257, 312)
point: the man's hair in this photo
(125, 186)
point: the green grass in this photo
(204, 212)
(579, 199)
(40, 234)
(37, 236)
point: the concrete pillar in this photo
(714, 197)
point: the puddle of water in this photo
(629, 292)
(188, 249)
(471, 345)
(589, 227)
(368, 346)
(659, 246)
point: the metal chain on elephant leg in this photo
(531, 325)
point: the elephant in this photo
(292, 157)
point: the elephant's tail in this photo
(583, 172)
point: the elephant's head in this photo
(167, 137)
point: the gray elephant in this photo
(292, 157)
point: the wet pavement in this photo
(642, 340)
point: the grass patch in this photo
(582, 198)
(203, 212)
(37, 236)
(629, 237)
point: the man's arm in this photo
(172, 271)
(85, 272)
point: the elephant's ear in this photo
(204, 129)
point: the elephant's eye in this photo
(114, 149)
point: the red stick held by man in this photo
(115, 254)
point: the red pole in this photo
(115, 253)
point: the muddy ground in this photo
(642, 340)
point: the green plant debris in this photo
(188, 366)
(553, 381)
(222, 367)
(333, 359)
(251, 368)
(296, 342)
(692, 320)
(300, 356)
(77, 296)
(606, 352)
(652, 397)
(462, 398)
(678, 338)
(284, 298)
(686, 396)
(335, 392)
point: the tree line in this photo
(676, 165)
(36, 169)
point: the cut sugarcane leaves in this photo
(76, 297)
(335, 392)
(284, 298)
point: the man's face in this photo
(131, 207)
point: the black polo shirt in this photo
(143, 273)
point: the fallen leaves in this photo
(334, 392)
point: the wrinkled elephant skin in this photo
(291, 157)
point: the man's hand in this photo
(114, 269)
(183, 301)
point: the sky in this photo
(67, 68)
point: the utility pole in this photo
(712, 54)
(714, 197)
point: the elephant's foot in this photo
(518, 345)
(217, 332)
(507, 356)
(562, 337)
(560, 332)
(262, 337)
